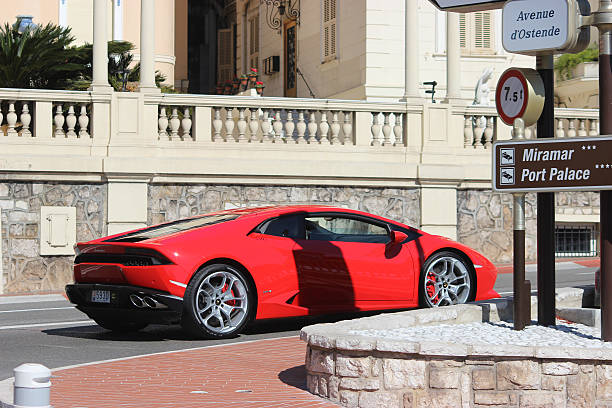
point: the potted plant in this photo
(235, 85)
(220, 89)
(228, 88)
(253, 76)
(259, 87)
(244, 80)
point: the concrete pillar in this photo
(453, 58)
(100, 48)
(411, 53)
(439, 210)
(147, 46)
(127, 204)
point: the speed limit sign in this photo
(520, 94)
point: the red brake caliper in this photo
(229, 302)
(431, 287)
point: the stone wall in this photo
(170, 202)
(390, 380)
(24, 270)
(484, 220)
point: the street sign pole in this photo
(522, 289)
(602, 19)
(546, 205)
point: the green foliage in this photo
(566, 63)
(120, 58)
(40, 57)
(44, 58)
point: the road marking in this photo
(586, 273)
(37, 310)
(27, 326)
(4, 300)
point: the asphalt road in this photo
(48, 330)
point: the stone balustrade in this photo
(282, 120)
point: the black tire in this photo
(205, 311)
(445, 293)
(120, 326)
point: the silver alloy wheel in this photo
(222, 301)
(447, 282)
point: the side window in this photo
(339, 228)
(287, 226)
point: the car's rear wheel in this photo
(446, 279)
(117, 325)
(218, 301)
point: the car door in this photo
(345, 259)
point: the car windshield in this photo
(173, 227)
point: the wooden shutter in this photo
(463, 34)
(329, 30)
(225, 55)
(483, 31)
(254, 42)
(476, 33)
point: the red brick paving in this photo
(588, 262)
(264, 373)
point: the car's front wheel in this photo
(446, 280)
(218, 302)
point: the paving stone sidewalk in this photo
(263, 373)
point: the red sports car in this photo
(217, 272)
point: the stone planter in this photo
(359, 371)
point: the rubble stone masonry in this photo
(24, 270)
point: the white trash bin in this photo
(32, 386)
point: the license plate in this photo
(100, 296)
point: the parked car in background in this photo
(216, 273)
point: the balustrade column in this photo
(386, 129)
(25, 118)
(278, 127)
(242, 126)
(162, 124)
(71, 121)
(347, 129)
(301, 127)
(217, 125)
(335, 128)
(253, 125)
(323, 129)
(11, 120)
(312, 128)
(229, 125)
(468, 132)
(375, 129)
(83, 122)
(174, 123)
(398, 130)
(289, 128)
(186, 125)
(560, 133)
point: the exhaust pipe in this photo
(137, 301)
(153, 304)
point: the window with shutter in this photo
(225, 55)
(476, 33)
(330, 37)
(254, 42)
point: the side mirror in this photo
(397, 237)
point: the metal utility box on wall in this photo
(272, 65)
(57, 230)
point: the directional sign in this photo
(552, 165)
(467, 6)
(519, 94)
(544, 26)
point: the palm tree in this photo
(38, 57)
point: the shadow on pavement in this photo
(155, 333)
(295, 377)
